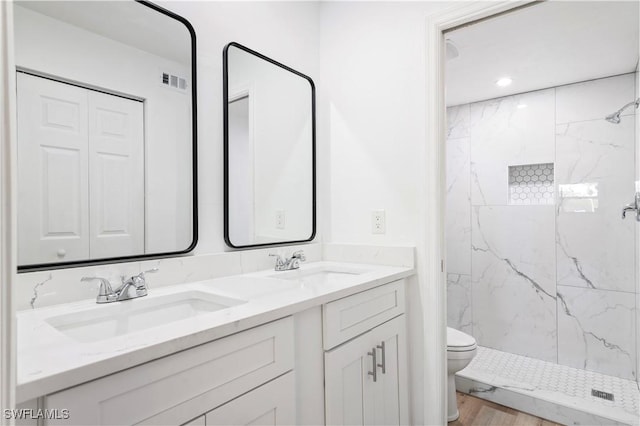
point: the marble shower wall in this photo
(554, 282)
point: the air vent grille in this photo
(173, 81)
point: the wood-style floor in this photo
(478, 412)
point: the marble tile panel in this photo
(594, 99)
(184, 269)
(509, 131)
(459, 307)
(458, 121)
(595, 176)
(513, 279)
(596, 331)
(638, 335)
(400, 255)
(458, 208)
(259, 259)
(52, 287)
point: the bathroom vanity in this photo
(325, 343)
(321, 344)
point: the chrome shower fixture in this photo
(615, 117)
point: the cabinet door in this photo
(53, 194)
(116, 176)
(348, 383)
(389, 396)
(271, 404)
(352, 396)
(175, 389)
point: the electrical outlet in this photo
(279, 219)
(378, 225)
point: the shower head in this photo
(615, 117)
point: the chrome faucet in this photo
(131, 288)
(287, 264)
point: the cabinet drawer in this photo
(351, 316)
(174, 389)
(270, 404)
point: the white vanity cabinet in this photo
(365, 358)
(177, 389)
(341, 362)
(272, 404)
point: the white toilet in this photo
(461, 348)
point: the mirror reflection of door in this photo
(241, 176)
(81, 173)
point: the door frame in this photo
(8, 229)
(432, 267)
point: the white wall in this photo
(8, 252)
(373, 115)
(285, 31)
(121, 68)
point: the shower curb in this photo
(551, 406)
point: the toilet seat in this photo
(462, 348)
(457, 341)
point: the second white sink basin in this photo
(120, 318)
(319, 274)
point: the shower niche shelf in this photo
(531, 184)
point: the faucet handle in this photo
(152, 270)
(106, 293)
(299, 255)
(278, 257)
(633, 207)
(139, 280)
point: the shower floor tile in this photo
(555, 392)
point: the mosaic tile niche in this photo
(531, 184)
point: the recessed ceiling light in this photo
(521, 106)
(504, 82)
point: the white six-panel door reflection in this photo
(81, 173)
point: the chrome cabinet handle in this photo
(384, 363)
(373, 373)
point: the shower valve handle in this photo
(633, 207)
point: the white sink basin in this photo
(321, 274)
(120, 318)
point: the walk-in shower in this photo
(541, 267)
(615, 117)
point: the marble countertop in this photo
(49, 360)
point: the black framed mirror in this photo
(269, 151)
(107, 142)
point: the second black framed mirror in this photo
(269, 151)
